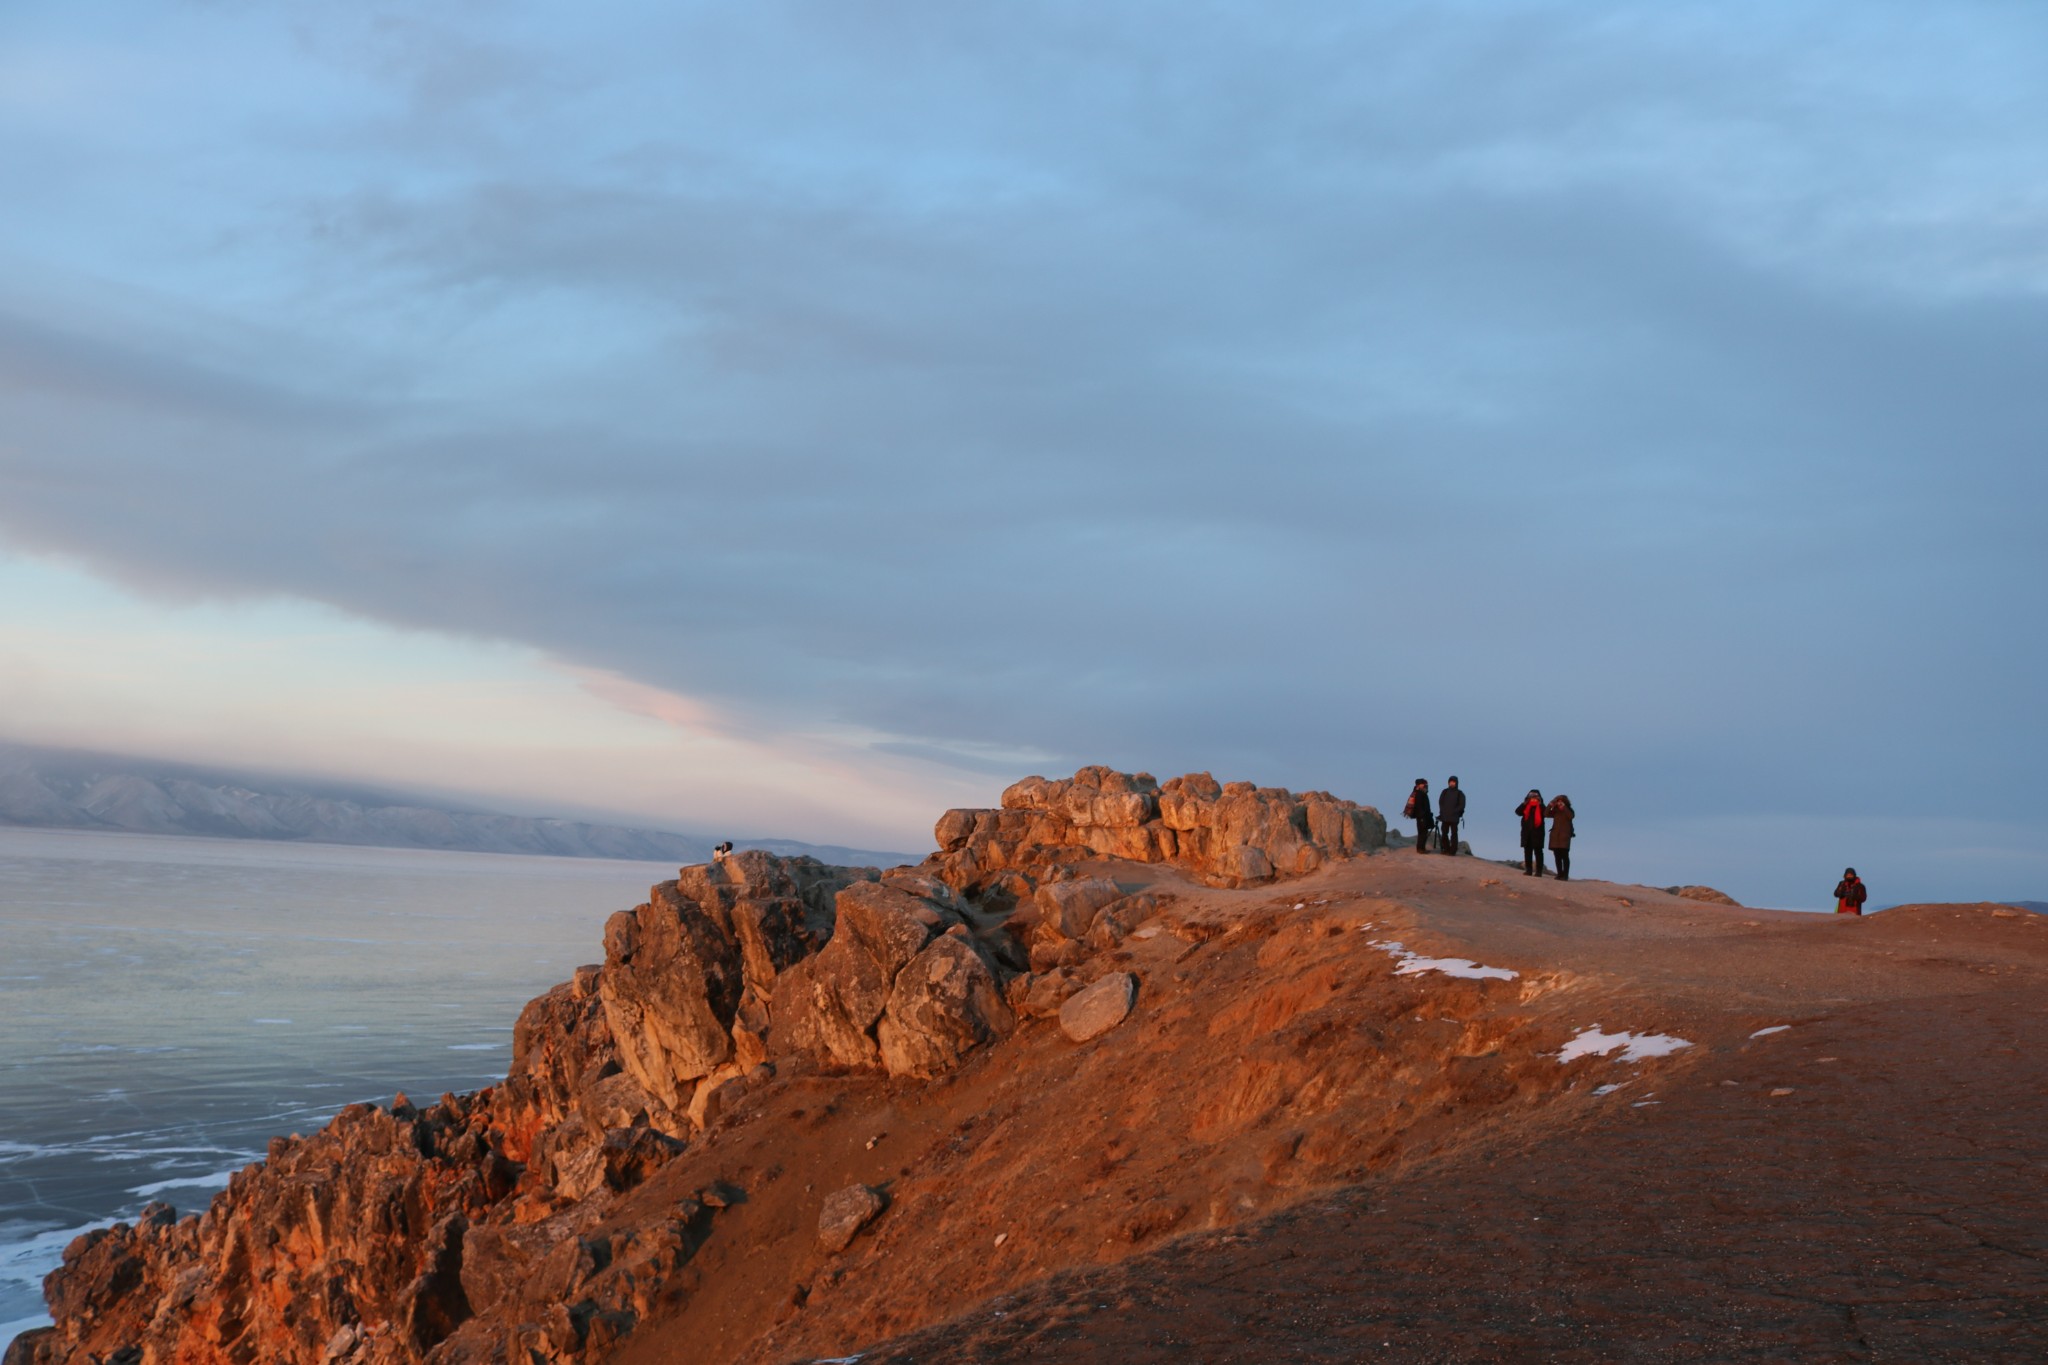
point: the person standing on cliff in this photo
(1417, 810)
(1561, 816)
(1531, 811)
(1850, 893)
(1450, 813)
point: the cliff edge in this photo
(1139, 1071)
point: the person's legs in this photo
(1563, 856)
(1422, 836)
(1449, 837)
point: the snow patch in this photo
(1634, 1047)
(1775, 1028)
(1414, 964)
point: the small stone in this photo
(1781, 1090)
(719, 1195)
(1002, 1237)
(845, 1213)
(1099, 1008)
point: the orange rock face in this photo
(1228, 835)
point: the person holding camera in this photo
(1417, 810)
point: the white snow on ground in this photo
(1608, 1089)
(1414, 964)
(1775, 1028)
(1634, 1046)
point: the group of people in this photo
(1544, 823)
(1556, 817)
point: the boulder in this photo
(1069, 908)
(845, 1213)
(1706, 895)
(1042, 995)
(1117, 919)
(945, 1003)
(1099, 1008)
(670, 988)
(828, 1004)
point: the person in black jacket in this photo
(1531, 811)
(1561, 817)
(1450, 811)
(1417, 809)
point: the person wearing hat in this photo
(1450, 812)
(1531, 811)
(1418, 810)
(1850, 893)
(1561, 816)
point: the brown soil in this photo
(1291, 1152)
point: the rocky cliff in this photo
(486, 1227)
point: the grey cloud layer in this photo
(1647, 398)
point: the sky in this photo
(803, 417)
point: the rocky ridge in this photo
(469, 1230)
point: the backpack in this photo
(1408, 811)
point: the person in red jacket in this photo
(1531, 811)
(1850, 893)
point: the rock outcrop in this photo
(1228, 834)
(475, 1229)
(1706, 895)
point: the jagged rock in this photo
(679, 969)
(828, 1004)
(1117, 919)
(944, 1004)
(1231, 835)
(631, 1155)
(1099, 1008)
(670, 988)
(1068, 908)
(1051, 954)
(1042, 995)
(845, 1213)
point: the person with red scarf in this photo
(1850, 893)
(1531, 811)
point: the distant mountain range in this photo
(68, 789)
(2038, 907)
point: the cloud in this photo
(1645, 397)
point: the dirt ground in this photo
(1291, 1151)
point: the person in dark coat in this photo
(1531, 811)
(1418, 810)
(1450, 812)
(1850, 893)
(1561, 814)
